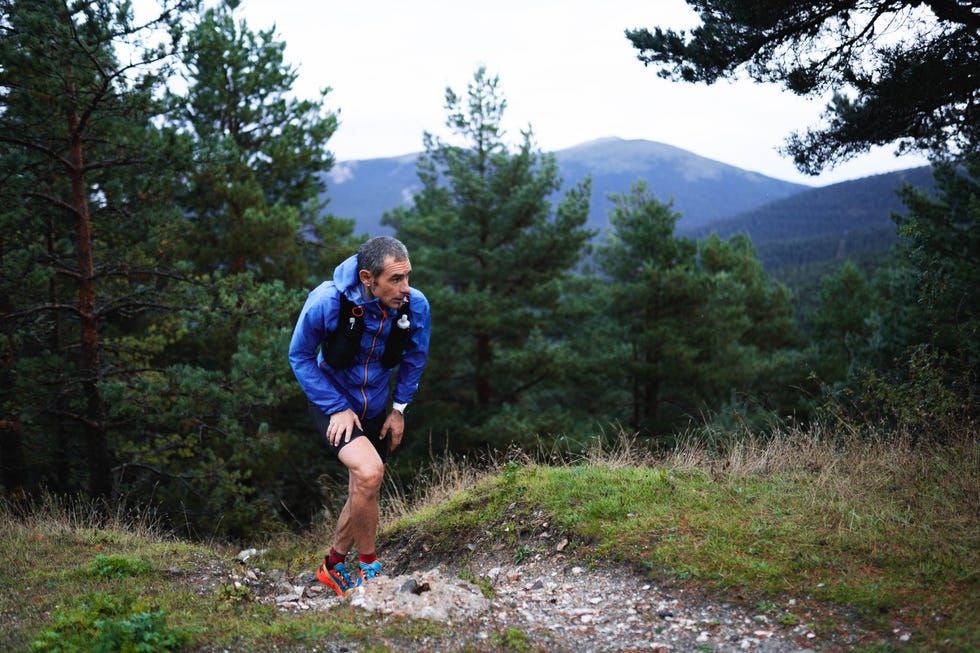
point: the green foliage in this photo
(107, 624)
(903, 351)
(197, 432)
(515, 640)
(841, 324)
(695, 322)
(483, 582)
(203, 221)
(510, 472)
(920, 91)
(106, 567)
(943, 236)
(653, 303)
(921, 397)
(259, 181)
(235, 593)
(83, 254)
(484, 235)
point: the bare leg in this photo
(343, 538)
(358, 522)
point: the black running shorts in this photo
(371, 431)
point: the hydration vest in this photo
(340, 346)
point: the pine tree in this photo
(255, 196)
(81, 220)
(842, 322)
(943, 235)
(657, 294)
(220, 416)
(492, 255)
(761, 368)
(920, 90)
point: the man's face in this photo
(391, 286)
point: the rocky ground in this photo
(550, 604)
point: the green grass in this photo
(878, 527)
(60, 579)
(803, 526)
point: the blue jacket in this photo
(362, 387)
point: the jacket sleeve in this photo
(416, 352)
(316, 320)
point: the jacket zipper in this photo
(367, 362)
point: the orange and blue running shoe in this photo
(337, 578)
(369, 571)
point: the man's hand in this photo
(342, 424)
(395, 424)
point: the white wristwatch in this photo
(399, 407)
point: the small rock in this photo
(249, 553)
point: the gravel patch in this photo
(549, 604)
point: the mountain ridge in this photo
(700, 189)
(790, 224)
(833, 221)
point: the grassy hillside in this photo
(804, 524)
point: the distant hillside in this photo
(702, 190)
(363, 190)
(820, 224)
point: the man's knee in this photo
(369, 476)
(365, 467)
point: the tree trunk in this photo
(99, 466)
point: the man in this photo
(351, 332)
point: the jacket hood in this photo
(345, 278)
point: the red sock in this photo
(368, 558)
(335, 558)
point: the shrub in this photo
(106, 624)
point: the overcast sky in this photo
(565, 68)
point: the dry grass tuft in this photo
(435, 483)
(50, 513)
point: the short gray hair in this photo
(371, 256)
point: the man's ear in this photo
(365, 276)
